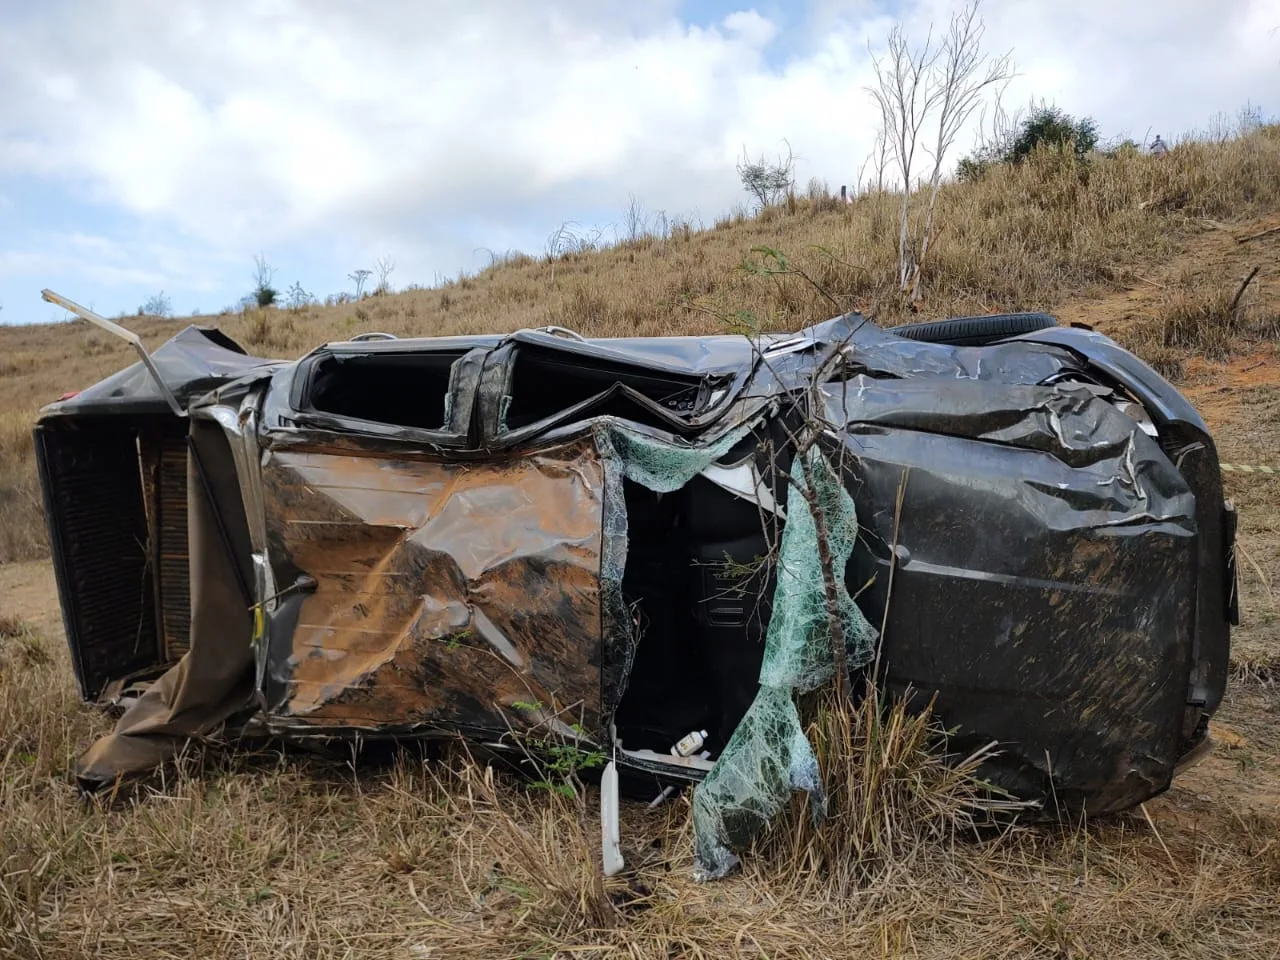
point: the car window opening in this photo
(545, 383)
(406, 390)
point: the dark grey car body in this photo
(481, 535)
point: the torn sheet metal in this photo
(191, 363)
(448, 595)
(212, 681)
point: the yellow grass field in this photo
(270, 852)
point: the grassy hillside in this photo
(277, 853)
(1043, 235)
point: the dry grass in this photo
(892, 798)
(1212, 314)
(269, 854)
(1030, 237)
(13, 627)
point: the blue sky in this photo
(148, 146)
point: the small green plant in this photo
(264, 294)
(560, 763)
(556, 761)
(736, 576)
(456, 640)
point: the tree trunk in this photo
(904, 242)
(934, 186)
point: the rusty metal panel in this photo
(447, 594)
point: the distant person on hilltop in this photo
(1158, 147)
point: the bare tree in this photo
(878, 161)
(297, 298)
(385, 266)
(768, 181)
(926, 95)
(636, 220)
(998, 127)
(660, 228)
(358, 277)
(157, 306)
(881, 157)
(901, 93)
(561, 241)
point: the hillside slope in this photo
(242, 852)
(1046, 235)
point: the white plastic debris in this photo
(686, 746)
(610, 836)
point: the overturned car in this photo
(613, 541)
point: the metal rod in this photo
(124, 334)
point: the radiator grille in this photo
(98, 530)
(173, 563)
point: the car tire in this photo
(976, 331)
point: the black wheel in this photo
(976, 331)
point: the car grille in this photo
(98, 534)
(173, 564)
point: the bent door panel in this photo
(1046, 607)
(448, 594)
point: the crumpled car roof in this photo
(192, 362)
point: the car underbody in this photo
(612, 542)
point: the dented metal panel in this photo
(447, 594)
(1045, 580)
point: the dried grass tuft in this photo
(892, 793)
(272, 853)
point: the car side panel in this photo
(448, 595)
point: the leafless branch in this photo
(384, 266)
(1258, 236)
(926, 95)
(1235, 301)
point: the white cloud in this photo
(114, 261)
(23, 262)
(414, 125)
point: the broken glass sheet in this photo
(768, 757)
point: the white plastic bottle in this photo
(690, 743)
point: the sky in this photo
(150, 146)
